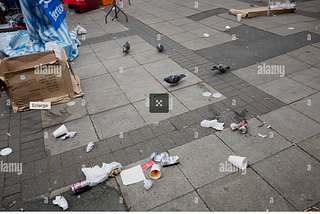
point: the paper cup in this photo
(60, 131)
(240, 162)
(155, 172)
(239, 17)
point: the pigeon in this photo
(174, 79)
(160, 47)
(126, 47)
(221, 68)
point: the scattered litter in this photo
(258, 117)
(206, 94)
(212, 123)
(238, 161)
(228, 27)
(71, 103)
(261, 135)
(90, 146)
(239, 17)
(120, 122)
(306, 210)
(68, 135)
(169, 161)
(147, 165)
(96, 175)
(243, 127)
(185, 127)
(132, 175)
(157, 157)
(21, 209)
(268, 127)
(216, 95)
(73, 63)
(291, 28)
(206, 35)
(80, 187)
(266, 98)
(147, 184)
(155, 172)
(62, 130)
(6, 151)
(234, 126)
(114, 172)
(8, 134)
(61, 202)
(79, 30)
(316, 208)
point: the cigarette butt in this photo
(257, 116)
(91, 128)
(309, 200)
(235, 154)
(261, 124)
(157, 80)
(266, 98)
(306, 210)
(21, 209)
(8, 134)
(277, 156)
(316, 208)
(295, 144)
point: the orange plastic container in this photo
(105, 2)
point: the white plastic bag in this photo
(213, 124)
(147, 184)
(96, 175)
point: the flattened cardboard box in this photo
(38, 77)
(260, 11)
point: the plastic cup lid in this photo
(206, 35)
(217, 95)
(206, 94)
(6, 151)
(71, 103)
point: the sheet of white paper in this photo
(132, 175)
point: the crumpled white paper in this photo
(79, 30)
(147, 184)
(90, 146)
(96, 174)
(61, 202)
(213, 124)
(69, 134)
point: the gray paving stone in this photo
(86, 59)
(307, 54)
(216, 152)
(173, 181)
(260, 107)
(289, 160)
(187, 119)
(115, 64)
(105, 100)
(126, 140)
(114, 143)
(177, 122)
(41, 167)
(121, 157)
(102, 147)
(235, 187)
(149, 56)
(177, 138)
(252, 111)
(70, 175)
(28, 189)
(56, 179)
(307, 77)
(133, 154)
(91, 70)
(79, 155)
(97, 83)
(11, 190)
(188, 202)
(311, 146)
(308, 106)
(182, 37)
(54, 163)
(157, 129)
(146, 133)
(296, 92)
(121, 119)
(85, 134)
(287, 115)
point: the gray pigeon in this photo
(126, 47)
(221, 68)
(174, 79)
(160, 47)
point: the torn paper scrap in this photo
(261, 135)
(132, 175)
(61, 202)
(212, 123)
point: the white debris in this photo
(261, 135)
(68, 135)
(213, 124)
(90, 146)
(61, 202)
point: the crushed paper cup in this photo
(234, 126)
(213, 124)
(239, 17)
(90, 146)
(155, 172)
(62, 130)
(238, 161)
